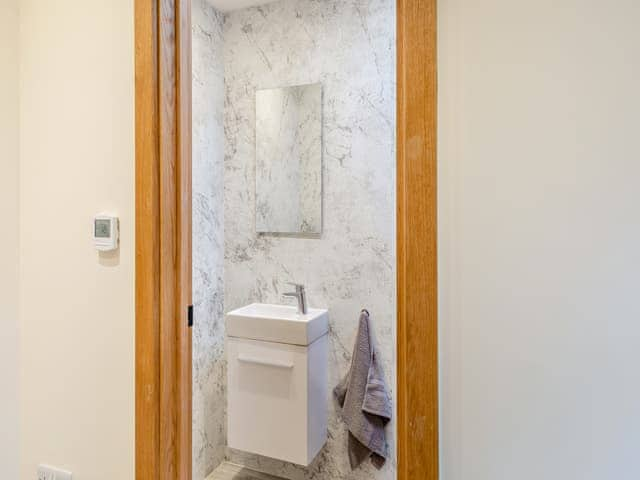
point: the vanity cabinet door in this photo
(274, 408)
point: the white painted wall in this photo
(539, 234)
(77, 308)
(9, 86)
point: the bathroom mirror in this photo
(289, 160)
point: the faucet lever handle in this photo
(298, 286)
(300, 295)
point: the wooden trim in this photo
(163, 239)
(147, 449)
(417, 241)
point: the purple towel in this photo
(365, 404)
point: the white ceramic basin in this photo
(277, 323)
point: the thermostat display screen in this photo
(102, 228)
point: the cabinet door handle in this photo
(266, 363)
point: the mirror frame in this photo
(318, 167)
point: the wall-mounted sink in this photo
(277, 323)
(277, 381)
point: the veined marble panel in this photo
(209, 367)
(349, 47)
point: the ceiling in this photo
(228, 5)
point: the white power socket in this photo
(45, 472)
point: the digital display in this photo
(102, 228)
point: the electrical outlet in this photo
(45, 472)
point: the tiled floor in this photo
(231, 471)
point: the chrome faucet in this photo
(300, 295)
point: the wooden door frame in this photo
(417, 255)
(163, 240)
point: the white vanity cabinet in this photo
(278, 386)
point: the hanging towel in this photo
(365, 404)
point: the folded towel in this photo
(365, 404)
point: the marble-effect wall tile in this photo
(209, 367)
(349, 47)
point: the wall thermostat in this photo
(105, 232)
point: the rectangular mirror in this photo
(289, 160)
